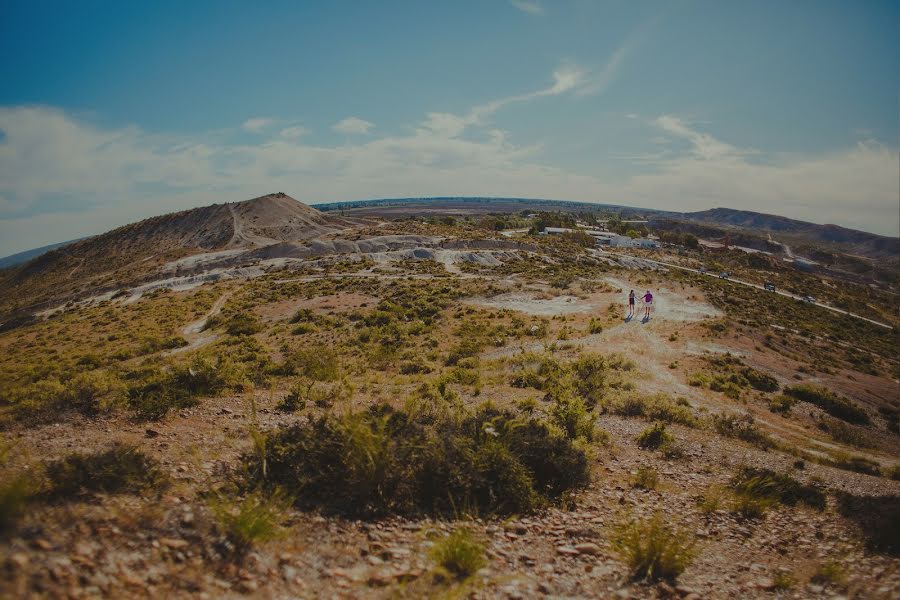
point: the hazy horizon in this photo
(113, 114)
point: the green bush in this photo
(460, 554)
(742, 427)
(834, 405)
(249, 520)
(645, 478)
(15, 490)
(654, 437)
(759, 380)
(777, 487)
(657, 407)
(781, 404)
(385, 461)
(652, 549)
(121, 469)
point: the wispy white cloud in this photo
(353, 125)
(257, 124)
(703, 145)
(566, 79)
(53, 165)
(293, 132)
(532, 7)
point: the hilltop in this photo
(128, 254)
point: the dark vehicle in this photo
(702, 269)
(724, 275)
(770, 287)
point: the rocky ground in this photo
(168, 544)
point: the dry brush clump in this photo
(652, 549)
(831, 403)
(387, 461)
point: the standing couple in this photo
(648, 304)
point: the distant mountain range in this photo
(276, 217)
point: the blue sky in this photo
(111, 112)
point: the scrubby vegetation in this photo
(250, 520)
(459, 555)
(386, 461)
(120, 469)
(652, 549)
(762, 487)
(831, 403)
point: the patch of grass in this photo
(711, 500)
(764, 484)
(829, 573)
(652, 549)
(595, 326)
(742, 427)
(250, 520)
(831, 403)
(386, 461)
(658, 407)
(14, 494)
(847, 434)
(781, 404)
(121, 469)
(857, 464)
(645, 479)
(784, 580)
(461, 554)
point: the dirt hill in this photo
(125, 254)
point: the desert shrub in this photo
(121, 469)
(742, 427)
(249, 520)
(654, 437)
(711, 499)
(95, 392)
(595, 326)
(781, 404)
(652, 549)
(461, 554)
(759, 380)
(765, 484)
(318, 363)
(831, 403)
(829, 572)
(161, 390)
(858, 464)
(240, 323)
(434, 460)
(15, 491)
(847, 434)
(571, 414)
(658, 407)
(784, 580)
(645, 478)
(878, 518)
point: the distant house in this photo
(606, 238)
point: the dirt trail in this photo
(193, 332)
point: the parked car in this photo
(702, 269)
(770, 287)
(724, 275)
(810, 299)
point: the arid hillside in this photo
(429, 408)
(128, 254)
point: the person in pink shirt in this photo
(648, 304)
